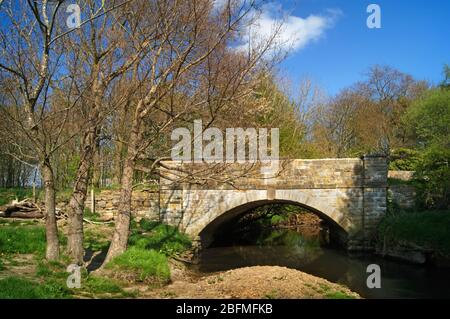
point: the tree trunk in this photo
(51, 227)
(97, 168)
(120, 238)
(118, 151)
(77, 201)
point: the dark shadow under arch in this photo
(339, 234)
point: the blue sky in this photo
(414, 38)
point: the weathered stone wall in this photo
(402, 195)
(145, 204)
(350, 193)
(401, 175)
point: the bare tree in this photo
(29, 62)
(189, 70)
(107, 47)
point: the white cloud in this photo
(293, 32)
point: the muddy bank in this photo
(258, 282)
(413, 253)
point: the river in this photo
(398, 279)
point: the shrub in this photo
(433, 176)
(429, 121)
(428, 228)
(404, 159)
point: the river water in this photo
(398, 279)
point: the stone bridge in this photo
(349, 194)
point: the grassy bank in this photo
(150, 245)
(24, 273)
(427, 229)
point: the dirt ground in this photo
(258, 282)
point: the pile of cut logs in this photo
(26, 209)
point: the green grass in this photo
(338, 295)
(102, 285)
(95, 241)
(149, 235)
(90, 215)
(2, 265)
(20, 288)
(106, 288)
(146, 263)
(330, 293)
(15, 222)
(150, 244)
(9, 194)
(51, 269)
(429, 229)
(22, 239)
(273, 294)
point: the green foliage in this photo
(160, 237)
(2, 266)
(275, 214)
(22, 240)
(428, 228)
(277, 219)
(147, 263)
(286, 237)
(429, 120)
(404, 159)
(20, 288)
(433, 175)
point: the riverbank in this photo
(417, 237)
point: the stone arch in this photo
(237, 204)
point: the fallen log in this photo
(25, 209)
(22, 215)
(97, 223)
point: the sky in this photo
(332, 45)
